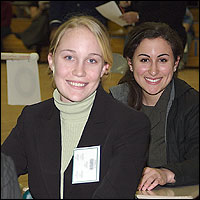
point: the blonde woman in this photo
(82, 143)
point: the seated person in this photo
(169, 12)
(81, 116)
(153, 52)
(60, 11)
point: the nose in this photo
(153, 70)
(79, 70)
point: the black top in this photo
(181, 131)
(122, 133)
(169, 12)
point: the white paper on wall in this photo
(23, 82)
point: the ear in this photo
(176, 63)
(50, 61)
(105, 69)
(130, 64)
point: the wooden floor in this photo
(10, 113)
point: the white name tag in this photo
(86, 164)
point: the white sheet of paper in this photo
(23, 82)
(112, 12)
(86, 165)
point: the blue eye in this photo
(69, 57)
(92, 60)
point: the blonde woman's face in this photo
(153, 66)
(78, 65)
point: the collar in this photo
(73, 110)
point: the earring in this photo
(175, 69)
(53, 69)
(131, 67)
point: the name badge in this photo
(86, 164)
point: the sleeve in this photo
(120, 92)
(9, 183)
(14, 146)
(187, 170)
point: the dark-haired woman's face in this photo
(153, 66)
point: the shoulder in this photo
(39, 109)
(185, 92)
(128, 120)
(115, 107)
(122, 114)
(119, 88)
(120, 92)
(41, 105)
(186, 99)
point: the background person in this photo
(79, 115)
(188, 24)
(169, 12)
(37, 34)
(9, 183)
(60, 11)
(6, 16)
(153, 52)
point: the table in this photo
(182, 192)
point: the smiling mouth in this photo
(153, 80)
(76, 84)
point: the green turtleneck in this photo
(73, 116)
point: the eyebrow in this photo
(68, 50)
(164, 54)
(73, 51)
(142, 54)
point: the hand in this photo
(152, 177)
(130, 17)
(34, 12)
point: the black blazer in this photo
(122, 133)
